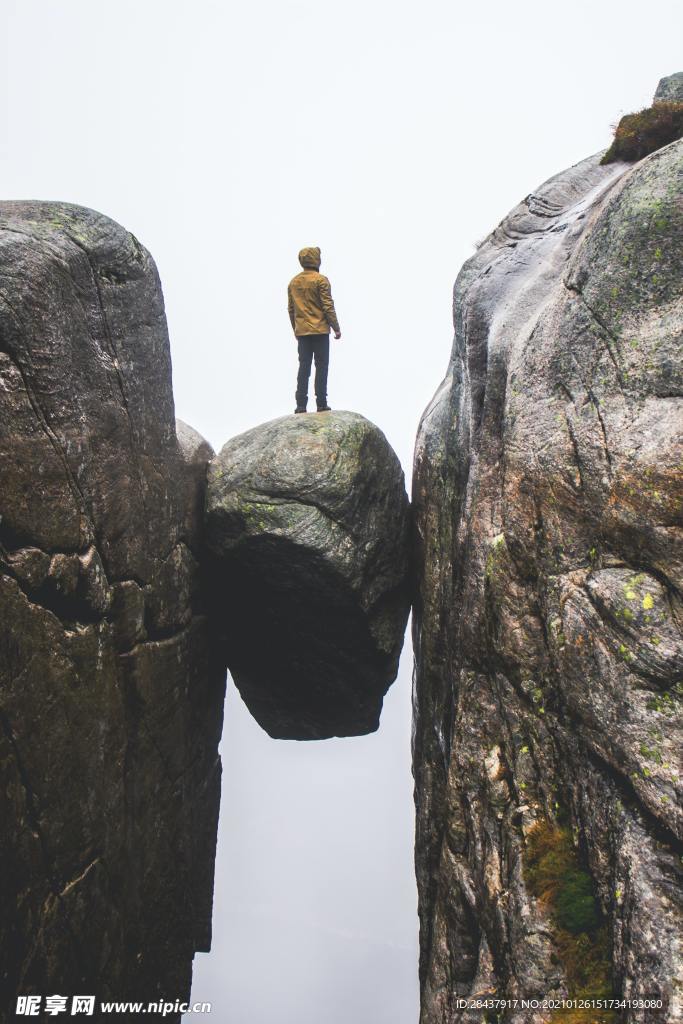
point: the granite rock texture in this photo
(307, 522)
(670, 89)
(547, 695)
(110, 699)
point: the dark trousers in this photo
(310, 346)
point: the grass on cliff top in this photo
(649, 129)
(554, 875)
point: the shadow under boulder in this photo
(307, 526)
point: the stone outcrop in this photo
(670, 89)
(547, 700)
(110, 702)
(307, 523)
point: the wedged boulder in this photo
(308, 521)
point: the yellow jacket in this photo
(309, 297)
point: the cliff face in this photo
(110, 704)
(548, 649)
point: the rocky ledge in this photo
(307, 525)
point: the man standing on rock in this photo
(312, 313)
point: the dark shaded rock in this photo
(196, 454)
(77, 586)
(670, 89)
(128, 614)
(548, 506)
(110, 699)
(307, 518)
(169, 594)
(30, 566)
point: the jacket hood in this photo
(310, 257)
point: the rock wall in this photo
(547, 695)
(110, 700)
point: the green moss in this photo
(665, 702)
(260, 516)
(496, 554)
(651, 753)
(624, 653)
(554, 875)
(641, 133)
(575, 907)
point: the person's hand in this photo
(337, 335)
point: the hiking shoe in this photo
(324, 408)
(300, 408)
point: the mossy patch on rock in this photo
(642, 133)
(553, 873)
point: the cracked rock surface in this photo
(547, 700)
(307, 525)
(110, 701)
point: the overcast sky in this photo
(394, 135)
